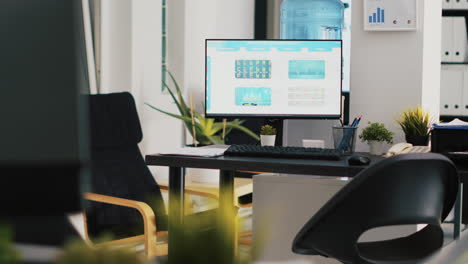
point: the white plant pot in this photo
(375, 147)
(267, 140)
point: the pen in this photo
(358, 120)
(354, 122)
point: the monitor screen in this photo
(273, 78)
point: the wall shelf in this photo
(454, 63)
(454, 80)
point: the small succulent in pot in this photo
(375, 134)
(267, 135)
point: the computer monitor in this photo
(273, 78)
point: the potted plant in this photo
(267, 135)
(375, 134)
(206, 131)
(415, 123)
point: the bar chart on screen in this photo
(390, 15)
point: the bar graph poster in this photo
(390, 15)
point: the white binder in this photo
(447, 35)
(458, 4)
(459, 43)
(464, 4)
(447, 4)
(452, 82)
(464, 104)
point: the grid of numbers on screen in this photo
(253, 69)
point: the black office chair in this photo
(407, 189)
(125, 194)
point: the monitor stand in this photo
(254, 124)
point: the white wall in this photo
(431, 61)
(212, 19)
(116, 41)
(390, 71)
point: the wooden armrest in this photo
(149, 219)
(245, 205)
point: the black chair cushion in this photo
(118, 168)
(114, 120)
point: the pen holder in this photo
(344, 138)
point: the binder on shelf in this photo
(458, 4)
(452, 82)
(447, 34)
(464, 4)
(459, 43)
(464, 106)
(447, 4)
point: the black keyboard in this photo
(283, 152)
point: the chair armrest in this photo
(245, 205)
(149, 219)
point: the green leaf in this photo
(179, 106)
(179, 93)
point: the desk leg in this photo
(226, 211)
(176, 211)
(458, 213)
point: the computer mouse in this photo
(359, 160)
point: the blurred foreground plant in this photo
(78, 252)
(8, 254)
(208, 239)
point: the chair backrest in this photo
(405, 189)
(118, 168)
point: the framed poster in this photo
(390, 15)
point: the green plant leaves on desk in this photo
(8, 254)
(207, 131)
(267, 130)
(376, 131)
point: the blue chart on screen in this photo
(253, 69)
(252, 96)
(306, 69)
(378, 16)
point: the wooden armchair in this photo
(149, 238)
(122, 179)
